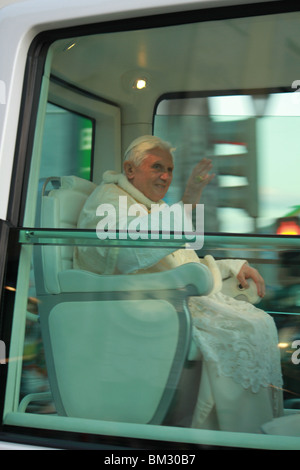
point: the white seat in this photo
(115, 346)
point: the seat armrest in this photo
(195, 275)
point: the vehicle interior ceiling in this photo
(238, 54)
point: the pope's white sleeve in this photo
(230, 267)
(134, 259)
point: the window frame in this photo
(95, 108)
(92, 121)
(225, 93)
(10, 247)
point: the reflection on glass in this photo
(253, 143)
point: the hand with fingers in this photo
(247, 272)
(200, 177)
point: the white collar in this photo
(121, 180)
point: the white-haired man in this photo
(240, 387)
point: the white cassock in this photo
(241, 381)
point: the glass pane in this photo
(67, 144)
(214, 55)
(246, 136)
(62, 345)
(144, 323)
(278, 262)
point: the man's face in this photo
(154, 175)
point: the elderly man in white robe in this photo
(240, 386)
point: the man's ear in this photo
(129, 170)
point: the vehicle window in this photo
(102, 342)
(67, 144)
(248, 137)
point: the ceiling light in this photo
(140, 84)
(69, 46)
(134, 81)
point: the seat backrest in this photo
(116, 360)
(115, 346)
(60, 208)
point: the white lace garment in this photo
(240, 338)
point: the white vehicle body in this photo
(53, 61)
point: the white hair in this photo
(140, 147)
